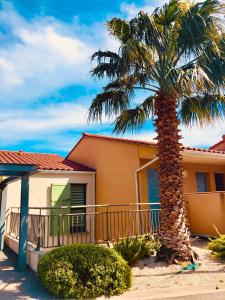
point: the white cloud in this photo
(51, 117)
(192, 137)
(130, 10)
(202, 137)
(45, 55)
(48, 124)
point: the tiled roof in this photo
(139, 142)
(41, 160)
(222, 142)
(203, 150)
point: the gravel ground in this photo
(210, 274)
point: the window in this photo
(78, 198)
(219, 181)
(202, 182)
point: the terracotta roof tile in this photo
(41, 160)
(204, 150)
(222, 142)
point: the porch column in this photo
(2, 217)
(23, 233)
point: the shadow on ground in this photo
(18, 285)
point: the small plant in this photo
(84, 271)
(217, 245)
(135, 248)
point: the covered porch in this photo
(10, 172)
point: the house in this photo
(220, 146)
(54, 183)
(127, 173)
(107, 188)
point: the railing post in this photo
(58, 230)
(107, 224)
(39, 232)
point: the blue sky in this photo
(45, 85)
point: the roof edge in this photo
(111, 138)
(97, 136)
(83, 135)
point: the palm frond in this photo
(196, 24)
(213, 62)
(108, 64)
(131, 119)
(192, 80)
(202, 109)
(119, 29)
(109, 103)
(168, 14)
(145, 29)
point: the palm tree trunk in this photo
(173, 220)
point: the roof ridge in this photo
(118, 138)
(28, 152)
(148, 142)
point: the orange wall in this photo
(115, 163)
(205, 210)
(190, 181)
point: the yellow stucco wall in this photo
(115, 163)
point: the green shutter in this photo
(60, 196)
(78, 197)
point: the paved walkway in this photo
(18, 285)
(189, 293)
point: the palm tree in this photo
(177, 55)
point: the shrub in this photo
(217, 245)
(135, 248)
(84, 271)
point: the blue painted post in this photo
(2, 218)
(23, 233)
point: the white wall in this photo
(40, 188)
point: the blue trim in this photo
(16, 169)
(22, 253)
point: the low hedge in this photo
(84, 271)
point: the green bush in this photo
(135, 248)
(84, 271)
(217, 245)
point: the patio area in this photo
(15, 284)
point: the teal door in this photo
(153, 197)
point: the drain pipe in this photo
(137, 177)
(137, 185)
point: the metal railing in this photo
(55, 226)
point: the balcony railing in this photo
(52, 227)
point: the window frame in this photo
(223, 181)
(206, 181)
(78, 228)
